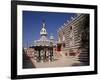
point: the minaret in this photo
(51, 38)
(43, 31)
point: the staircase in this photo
(84, 56)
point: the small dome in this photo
(43, 30)
(51, 37)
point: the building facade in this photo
(73, 37)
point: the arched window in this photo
(63, 36)
(70, 27)
(44, 31)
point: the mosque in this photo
(43, 47)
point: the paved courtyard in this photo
(61, 61)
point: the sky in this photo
(32, 24)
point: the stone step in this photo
(84, 61)
(84, 51)
(83, 55)
(83, 58)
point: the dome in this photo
(51, 37)
(43, 30)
